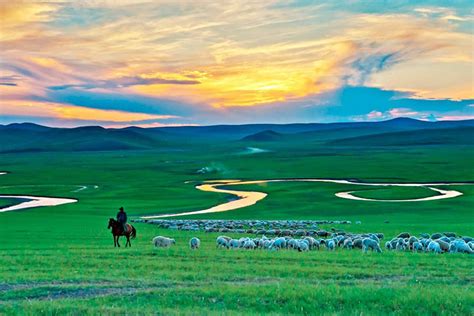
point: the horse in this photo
(117, 231)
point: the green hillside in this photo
(443, 136)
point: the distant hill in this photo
(264, 136)
(21, 138)
(28, 137)
(424, 137)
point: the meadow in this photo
(61, 260)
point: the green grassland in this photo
(61, 260)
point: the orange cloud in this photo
(61, 111)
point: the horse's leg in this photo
(115, 241)
(128, 241)
(118, 244)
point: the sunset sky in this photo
(158, 63)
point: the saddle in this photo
(128, 229)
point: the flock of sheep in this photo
(258, 227)
(436, 243)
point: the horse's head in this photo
(111, 223)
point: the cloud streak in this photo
(209, 60)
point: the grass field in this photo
(57, 260)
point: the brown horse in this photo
(117, 231)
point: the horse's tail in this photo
(133, 234)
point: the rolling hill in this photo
(424, 137)
(28, 137)
(265, 136)
(18, 138)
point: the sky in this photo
(170, 63)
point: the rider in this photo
(122, 219)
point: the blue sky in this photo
(162, 63)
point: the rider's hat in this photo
(121, 208)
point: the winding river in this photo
(243, 198)
(248, 198)
(33, 201)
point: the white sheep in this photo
(194, 243)
(369, 243)
(316, 244)
(417, 246)
(330, 244)
(279, 243)
(292, 243)
(433, 246)
(267, 244)
(401, 244)
(460, 246)
(311, 241)
(234, 243)
(348, 244)
(374, 237)
(303, 245)
(163, 242)
(471, 245)
(249, 244)
(223, 241)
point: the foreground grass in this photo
(99, 279)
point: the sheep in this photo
(292, 243)
(368, 243)
(436, 236)
(357, 243)
(339, 240)
(268, 244)
(401, 244)
(242, 241)
(316, 244)
(460, 246)
(302, 246)
(194, 243)
(222, 241)
(374, 237)
(233, 243)
(425, 242)
(446, 239)
(449, 234)
(311, 241)
(403, 235)
(443, 245)
(433, 246)
(331, 244)
(279, 243)
(392, 243)
(163, 242)
(249, 244)
(411, 241)
(471, 245)
(348, 244)
(388, 245)
(417, 246)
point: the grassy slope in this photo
(441, 136)
(63, 253)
